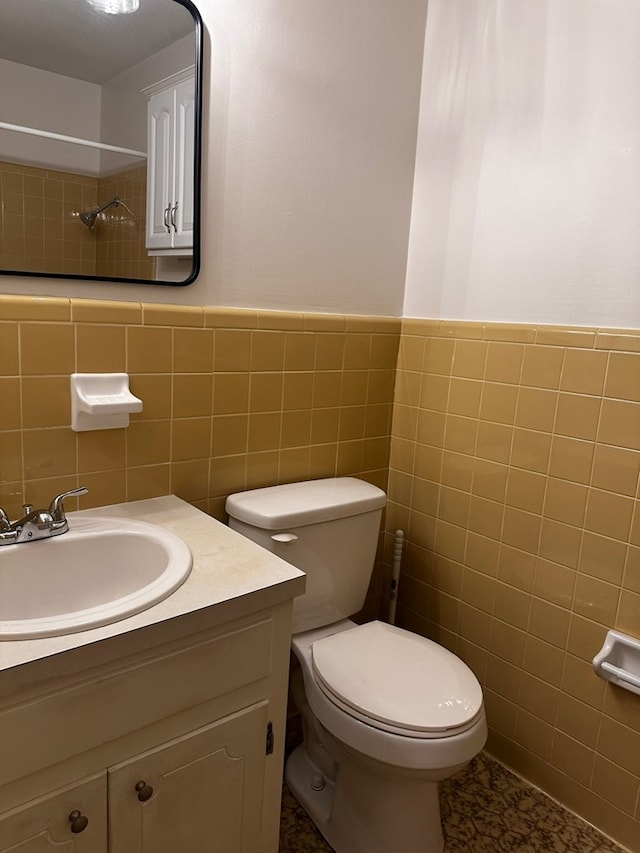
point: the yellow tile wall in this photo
(37, 230)
(515, 456)
(120, 238)
(232, 400)
(40, 233)
(514, 473)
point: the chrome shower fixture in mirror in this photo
(101, 121)
(90, 217)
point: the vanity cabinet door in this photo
(199, 793)
(70, 820)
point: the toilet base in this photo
(363, 812)
(300, 773)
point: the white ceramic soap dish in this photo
(101, 401)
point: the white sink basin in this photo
(102, 570)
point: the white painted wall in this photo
(124, 106)
(30, 97)
(526, 205)
(527, 194)
(115, 113)
(310, 131)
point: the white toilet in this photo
(386, 713)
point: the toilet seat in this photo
(397, 681)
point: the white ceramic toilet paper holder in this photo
(619, 661)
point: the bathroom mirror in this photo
(100, 129)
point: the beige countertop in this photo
(231, 577)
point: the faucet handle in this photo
(56, 507)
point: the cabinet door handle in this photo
(79, 822)
(174, 210)
(166, 218)
(144, 791)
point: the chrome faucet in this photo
(37, 523)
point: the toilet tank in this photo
(326, 528)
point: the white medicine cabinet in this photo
(170, 166)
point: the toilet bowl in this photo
(386, 713)
(375, 746)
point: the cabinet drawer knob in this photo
(79, 822)
(144, 791)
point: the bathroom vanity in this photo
(163, 731)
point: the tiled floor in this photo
(485, 809)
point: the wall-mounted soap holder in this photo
(101, 401)
(619, 661)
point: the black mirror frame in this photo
(197, 177)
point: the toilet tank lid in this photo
(309, 502)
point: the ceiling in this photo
(72, 38)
